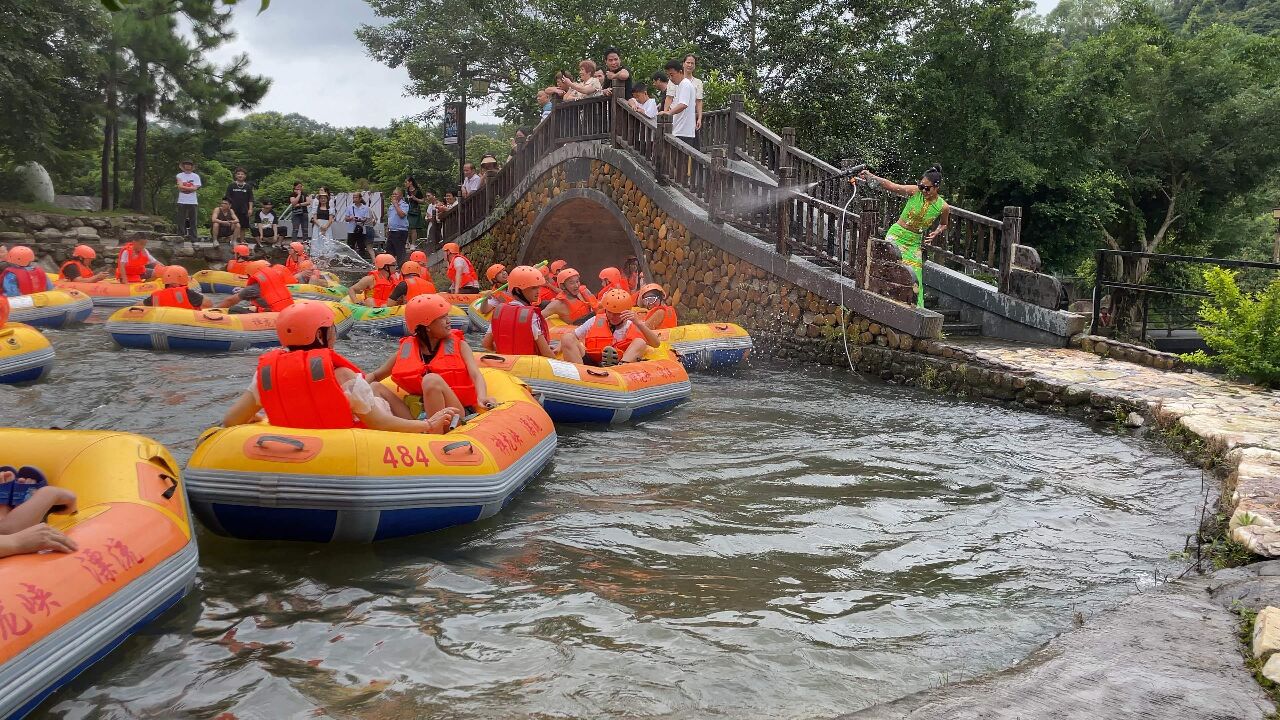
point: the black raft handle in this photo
(291, 442)
(457, 445)
(173, 486)
(487, 356)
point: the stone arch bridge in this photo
(729, 236)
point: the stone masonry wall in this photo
(54, 235)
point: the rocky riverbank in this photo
(53, 235)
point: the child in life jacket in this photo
(610, 278)
(80, 267)
(518, 328)
(297, 255)
(239, 262)
(308, 274)
(306, 384)
(497, 277)
(459, 271)
(658, 314)
(176, 292)
(614, 335)
(135, 263)
(575, 303)
(375, 288)
(25, 499)
(414, 282)
(22, 276)
(267, 291)
(435, 363)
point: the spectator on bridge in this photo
(188, 183)
(588, 84)
(642, 103)
(924, 206)
(615, 70)
(299, 202)
(517, 141)
(414, 197)
(487, 163)
(431, 220)
(691, 64)
(683, 107)
(224, 221)
(240, 193)
(663, 84)
(544, 104)
(471, 181)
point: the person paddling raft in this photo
(923, 207)
(267, 290)
(435, 363)
(375, 288)
(517, 328)
(176, 292)
(575, 303)
(306, 384)
(80, 267)
(614, 335)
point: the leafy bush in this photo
(1243, 329)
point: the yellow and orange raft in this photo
(25, 354)
(263, 482)
(112, 293)
(209, 330)
(136, 558)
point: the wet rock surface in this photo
(1169, 653)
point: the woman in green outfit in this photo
(923, 207)
(413, 195)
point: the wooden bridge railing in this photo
(779, 201)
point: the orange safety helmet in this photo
(84, 252)
(4, 310)
(650, 288)
(616, 300)
(425, 309)
(566, 274)
(21, 255)
(298, 248)
(418, 256)
(301, 322)
(524, 277)
(382, 260)
(611, 275)
(493, 271)
(452, 248)
(240, 251)
(306, 266)
(557, 266)
(176, 275)
(411, 268)
(256, 266)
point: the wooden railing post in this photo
(616, 112)
(732, 135)
(551, 122)
(788, 136)
(489, 175)
(867, 222)
(717, 189)
(660, 141)
(785, 175)
(1010, 235)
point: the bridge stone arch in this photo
(586, 228)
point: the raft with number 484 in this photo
(263, 482)
(136, 557)
(209, 330)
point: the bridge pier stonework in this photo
(593, 211)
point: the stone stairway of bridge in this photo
(952, 324)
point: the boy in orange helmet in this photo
(616, 334)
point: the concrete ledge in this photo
(1001, 316)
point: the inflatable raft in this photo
(584, 393)
(110, 293)
(25, 354)
(390, 320)
(708, 346)
(209, 330)
(51, 308)
(307, 291)
(221, 281)
(137, 557)
(260, 482)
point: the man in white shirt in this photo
(471, 181)
(188, 183)
(684, 104)
(642, 103)
(690, 64)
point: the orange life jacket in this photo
(286, 274)
(298, 389)
(469, 277)
(135, 268)
(579, 309)
(668, 317)
(85, 272)
(600, 336)
(237, 266)
(30, 280)
(292, 263)
(172, 297)
(448, 363)
(512, 329)
(545, 295)
(382, 287)
(274, 295)
(415, 286)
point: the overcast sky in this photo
(319, 69)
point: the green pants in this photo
(909, 244)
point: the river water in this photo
(792, 543)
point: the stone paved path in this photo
(1239, 419)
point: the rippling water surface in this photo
(791, 543)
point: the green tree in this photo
(278, 186)
(411, 149)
